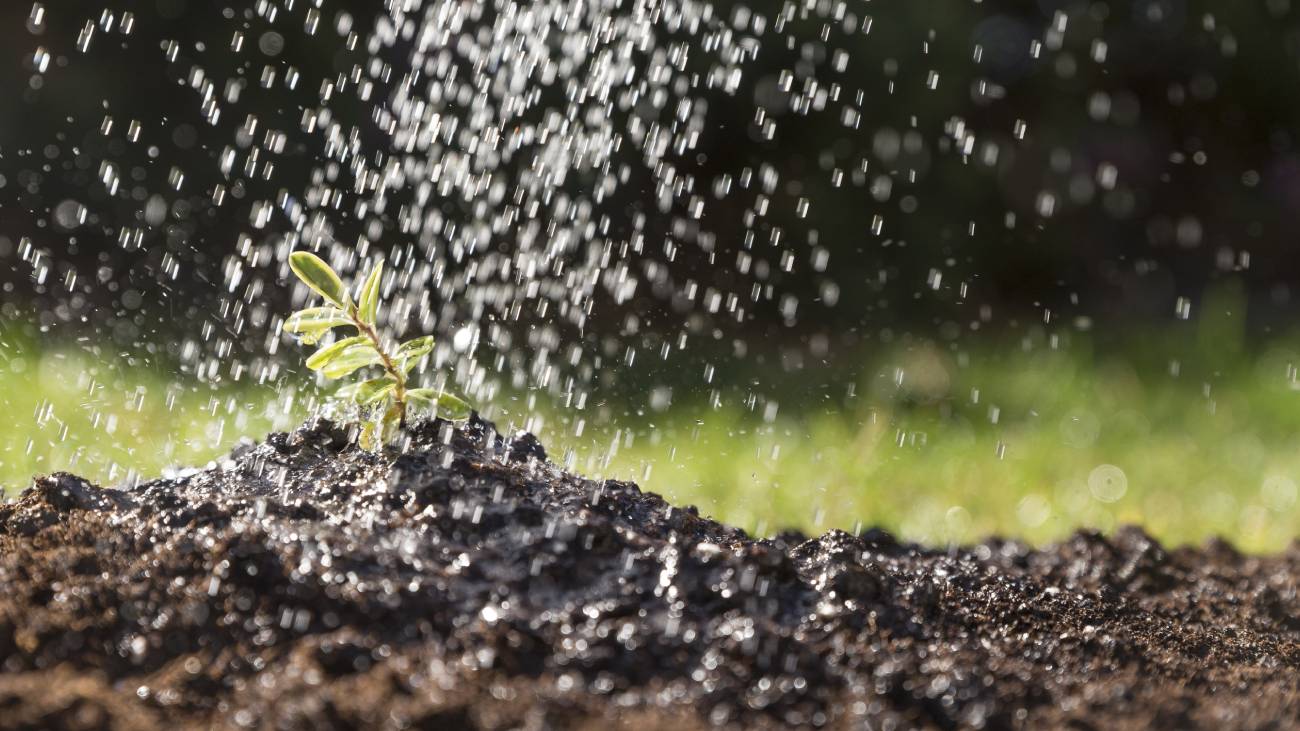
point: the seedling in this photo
(385, 399)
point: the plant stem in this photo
(399, 392)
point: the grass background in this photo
(1189, 435)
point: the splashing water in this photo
(534, 172)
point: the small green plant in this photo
(385, 399)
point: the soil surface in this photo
(468, 583)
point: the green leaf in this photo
(311, 337)
(347, 392)
(444, 403)
(318, 275)
(392, 419)
(375, 389)
(352, 391)
(369, 307)
(412, 351)
(333, 351)
(375, 433)
(356, 356)
(314, 322)
(367, 437)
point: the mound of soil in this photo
(469, 583)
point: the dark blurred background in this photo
(1129, 158)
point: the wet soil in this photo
(469, 583)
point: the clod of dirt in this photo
(469, 583)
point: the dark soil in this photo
(468, 583)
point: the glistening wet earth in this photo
(468, 583)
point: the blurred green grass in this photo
(936, 445)
(1050, 443)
